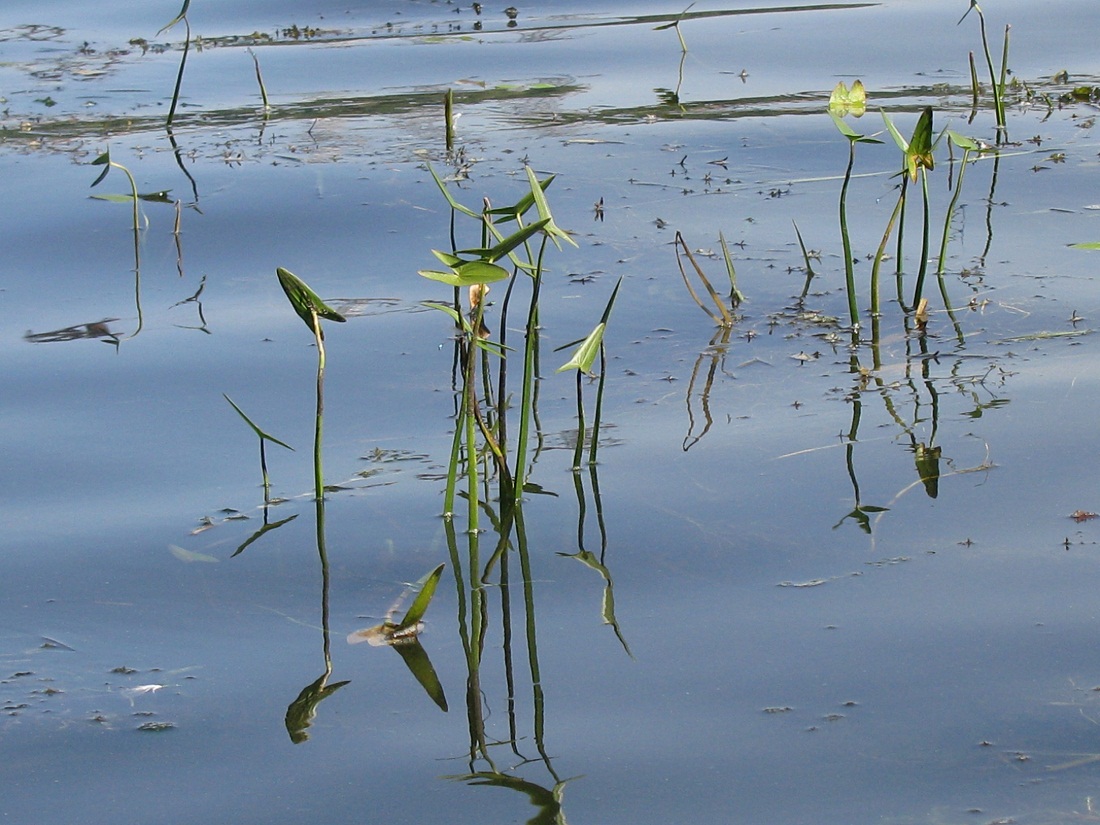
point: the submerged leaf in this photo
(190, 555)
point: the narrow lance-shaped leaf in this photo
(304, 300)
(497, 252)
(416, 659)
(260, 433)
(458, 207)
(919, 154)
(427, 586)
(177, 18)
(850, 133)
(520, 207)
(552, 229)
(103, 160)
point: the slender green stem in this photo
(449, 118)
(998, 103)
(849, 273)
(879, 254)
(924, 242)
(318, 475)
(579, 449)
(598, 414)
(1002, 118)
(973, 90)
(179, 75)
(529, 376)
(951, 211)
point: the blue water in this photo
(784, 664)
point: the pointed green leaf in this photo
(468, 273)
(522, 206)
(447, 258)
(1089, 245)
(305, 300)
(902, 143)
(611, 301)
(177, 18)
(844, 128)
(103, 160)
(458, 207)
(427, 585)
(552, 229)
(586, 353)
(920, 146)
(963, 142)
(252, 424)
(495, 253)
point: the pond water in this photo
(817, 574)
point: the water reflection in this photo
(77, 332)
(302, 711)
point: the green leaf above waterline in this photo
(304, 300)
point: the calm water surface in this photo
(845, 582)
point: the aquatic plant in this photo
(582, 361)
(842, 102)
(474, 269)
(181, 17)
(105, 161)
(264, 438)
(721, 314)
(918, 160)
(449, 120)
(260, 81)
(998, 83)
(311, 309)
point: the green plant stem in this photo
(179, 75)
(849, 273)
(998, 104)
(924, 241)
(1002, 118)
(973, 89)
(598, 414)
(899, 251)
(951, 211)
(529, 376)
(448, 116)
(318, 475)
(579, 449)
(263, 470)
(879, 254)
